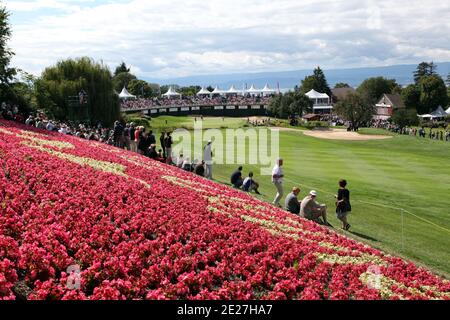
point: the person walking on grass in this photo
(343, 206)
(168, 144)
(207, 156)
(277, 180)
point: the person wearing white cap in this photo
(277, 180)
(207, 157)
(311, 210)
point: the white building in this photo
(321, 101)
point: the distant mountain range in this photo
(289, 79)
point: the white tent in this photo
(267, 91)
(171, 93)
(313, 94)
(253, 90)
(447, 111)
(233, 90)
(439, 113)
(126, 95)
(204, 92)
(218, 91)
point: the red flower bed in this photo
(138, 229)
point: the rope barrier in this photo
(380, 205)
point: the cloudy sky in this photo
(174, 38)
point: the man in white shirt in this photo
(207, 156)
(50, 126)
(277, 180)
(180, 161)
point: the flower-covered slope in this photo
(139, 229)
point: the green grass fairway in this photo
(171, 122)
(399, 187)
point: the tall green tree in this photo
(448, 86)
(317, 81)
(282, 106)
(190, 91)
(67, 79)
(7, 73)
(121, 68)
(122, 80)
(21, 93)
(143, 89)
(341, 85)
(424, 69)
(411, 96)
(355, 109)
(300, 104)
(405, 117)
(372, 89)
(433, 93)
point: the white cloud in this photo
(163, 38)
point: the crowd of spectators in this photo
(143, 104)
(10, 112)
(431, 133)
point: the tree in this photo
(448, 86)
(122, 80)
(373, 88)
(122, 68)
(190, 91)
(7, 73)
(67, 78)
(424, 69)
(405, 117)
(433, 93)
(411, 97)
(341, 85)
(300, 103)
(317, 81)
(355, 109)
(143, 89)
(22, 93)
(274, 105)
(282, 106)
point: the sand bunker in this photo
(342, 134)
(335, 134)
